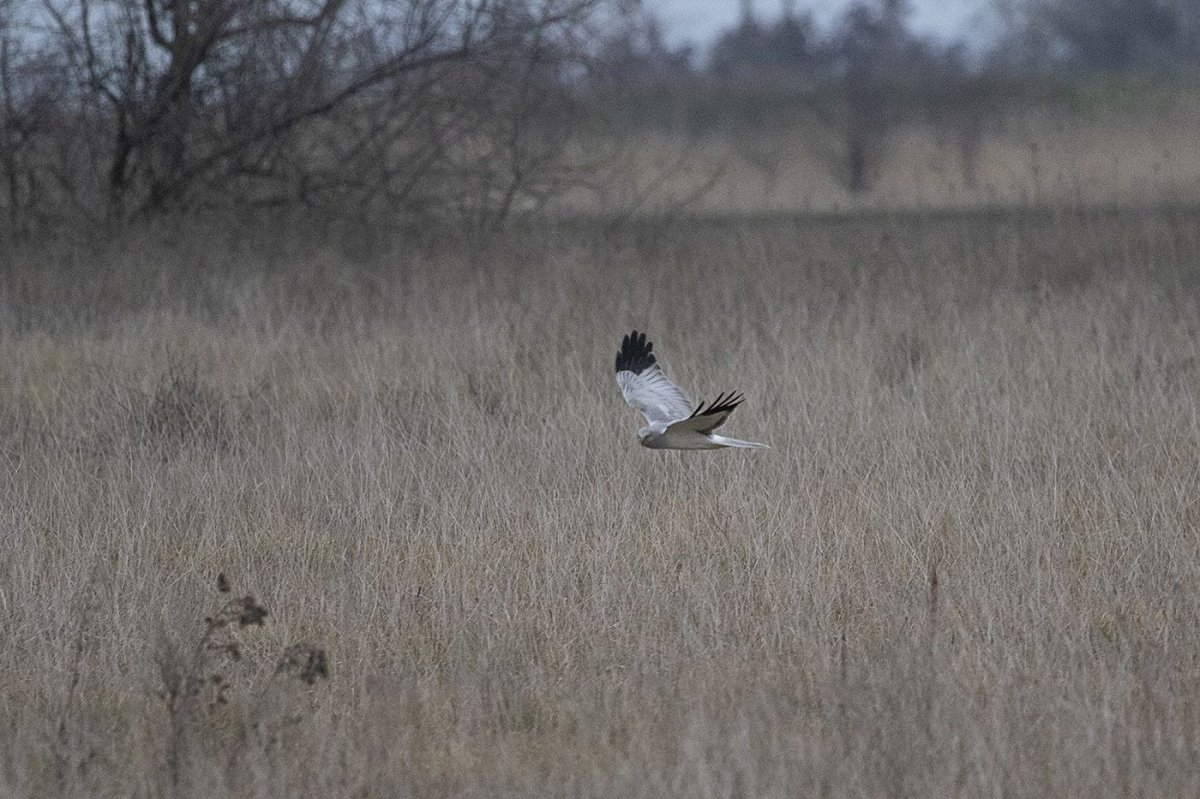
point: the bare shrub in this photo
(183, 412)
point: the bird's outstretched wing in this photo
(645, 386)
(705, 420)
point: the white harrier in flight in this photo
(672, 423)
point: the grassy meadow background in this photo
(1124, 142)
(966, 567)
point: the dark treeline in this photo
(1031, 38)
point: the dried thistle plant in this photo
(218, 643)
(186, 679)
(201, 681)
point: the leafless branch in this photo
(186, 102)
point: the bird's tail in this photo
(733, 442)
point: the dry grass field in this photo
(967, 567)
(1035, 156)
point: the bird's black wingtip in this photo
(723, 402)
(636, 353)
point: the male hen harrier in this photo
(672, 423)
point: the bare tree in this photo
(30, 89)
(351, 103)
(886, 73)
(872, 45)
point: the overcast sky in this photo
(699, 21)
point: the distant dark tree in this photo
(792, 47)
(1099, 35)
(871, 58)
(736, 49)
(795, 40)
(877, 54)
(637, 54)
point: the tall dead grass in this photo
(966, 567)
(968, 160)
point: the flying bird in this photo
(672, 420)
